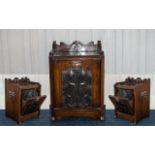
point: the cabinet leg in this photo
(19, 122)
(101, 118)
(115, 116)
(53, 118)
(38, 116)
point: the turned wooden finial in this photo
(99, 45)
(54, 45)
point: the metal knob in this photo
(76, 63)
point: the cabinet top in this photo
(76, 49)
(22, 82)
(131, 83)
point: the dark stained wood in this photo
(138, 106)
(18, 106)
(77, 55)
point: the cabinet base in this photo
(23, 118)
(131, 118)
(96, 113)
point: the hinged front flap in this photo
(122, 104)
(32, 104)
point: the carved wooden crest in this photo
(133, 81)
(77, 48)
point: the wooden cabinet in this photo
(22, 99)
(77, 80)
(131, 99)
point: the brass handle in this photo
(11, 93)
(76, 63)
(144, 93)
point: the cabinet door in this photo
(31, 101)
(122, 104)
(77, 83)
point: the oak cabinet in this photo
(77, 80)
(131, 99)
(22, 99)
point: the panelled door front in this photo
(77, 83)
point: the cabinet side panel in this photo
(11, 98)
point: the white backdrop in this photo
(127, 53)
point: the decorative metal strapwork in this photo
(77, 88)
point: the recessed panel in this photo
(76, 85)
